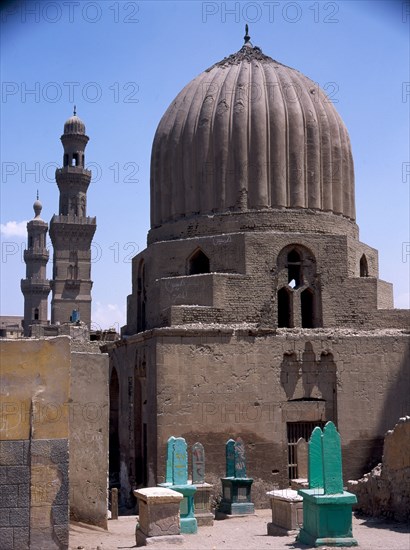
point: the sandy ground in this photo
(237, 534)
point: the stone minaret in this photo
(71, 231)
(35, 286)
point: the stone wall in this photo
(213, 385)
(34, 443)
(385, 491)
(245, 276)
(133, 415)
(14, 494)
(210, 383)
(89, 410)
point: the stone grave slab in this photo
(287, 512)
(159, 516)
(202, 498)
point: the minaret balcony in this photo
(35, 286)
(73, 170)
(36, 254)
(70, 218)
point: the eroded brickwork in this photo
(385, 491)
(207, 384)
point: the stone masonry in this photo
(255, 311)
(34, 444)
(385, 491)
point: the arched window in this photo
(284, 308)
(294, 268)
(364, 269)
(36, 314)
(306, 303)
(198, 263)
(65, 161)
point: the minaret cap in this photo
(74, 125)
(37, 207)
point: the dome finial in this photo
(37, 207)
(75, 111)
(246, 37)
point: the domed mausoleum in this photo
(255, 309)
(250, 134)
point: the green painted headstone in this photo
(327, 509)
(240, 461)
(170, 456)
(230, 458)
(332, 460)
(315, 460)
(180, 464)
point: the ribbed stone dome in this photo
(74, 125)
(250, 134)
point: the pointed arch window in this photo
(294, 267)
(284, 308)
(198, 263)
(364, 269)
(306, 303)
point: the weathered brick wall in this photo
(245, 277)
(385, 491)
(384, 295)
(34, 414)
(286, 220)
(356, 250)
(14, 494)
(222, 384)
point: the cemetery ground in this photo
(247, 532)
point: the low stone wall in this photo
(385, 491)
(89, 438)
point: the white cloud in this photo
(14, 229)
(106, 316)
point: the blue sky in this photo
(122, 63)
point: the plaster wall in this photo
(89, 438)
(215, 386)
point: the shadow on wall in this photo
(366, 454)
(309, 379)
